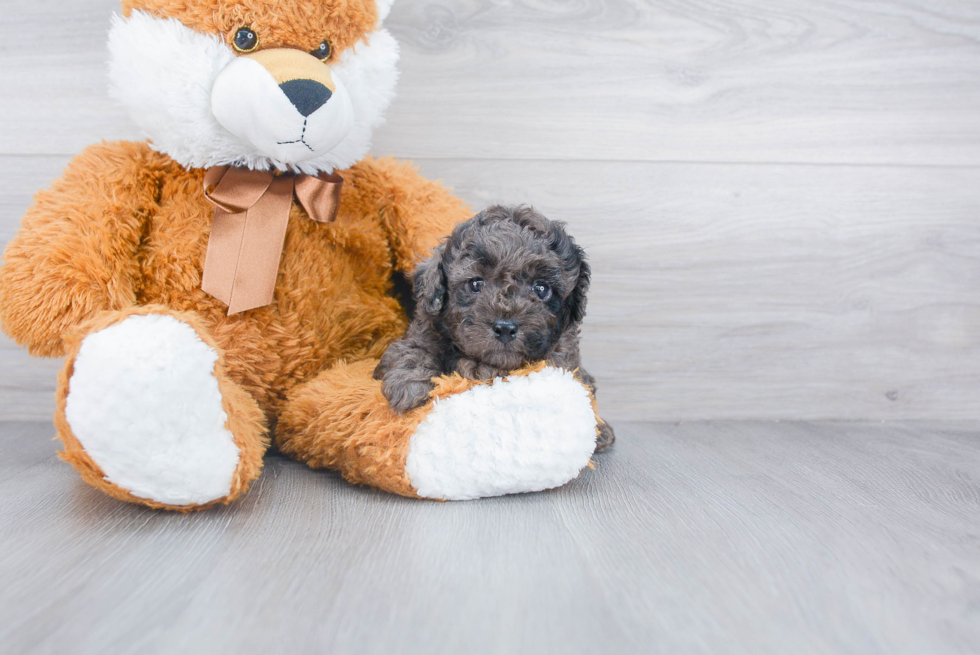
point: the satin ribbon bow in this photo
(249, 229)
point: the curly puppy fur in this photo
(507, 288)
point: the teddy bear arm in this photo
(75, 254)
(416, 213)
(341, 420)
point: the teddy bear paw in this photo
(144, 403)
(519, 434)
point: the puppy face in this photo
(261, 84)
(505, 286)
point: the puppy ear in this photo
(430, 284)
(577, 297)
(573, 261)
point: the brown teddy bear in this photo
(231, 278)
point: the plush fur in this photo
(115, 248)
(341, 421)
(293, 24)
(85, 247)
(173, 105)
(88, 251)
(245, 419)
(506, 289)
(128, 378)
(469, 446)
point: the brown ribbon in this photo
(250, 218)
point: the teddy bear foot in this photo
(519, 434)
(148, 415)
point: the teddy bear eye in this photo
(324, 51)
(541, 290)
(246, 40)
(476, 285)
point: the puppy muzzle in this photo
(285, 102)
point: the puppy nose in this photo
(306, 95)
(506, 331)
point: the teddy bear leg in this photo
(148, 414)
(535, 430)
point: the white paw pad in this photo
(144, 403)
(518, 435)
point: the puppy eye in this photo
(541, 290)
(476, 286)
(324, 51)
(246, 40)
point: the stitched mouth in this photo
(301, 139)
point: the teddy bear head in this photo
(295, 85)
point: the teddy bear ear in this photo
(384, 6)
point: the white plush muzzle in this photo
(248, 102)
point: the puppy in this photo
(505, 289)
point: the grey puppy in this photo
(507, 288)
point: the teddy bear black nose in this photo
(506, 331)
(306, 95)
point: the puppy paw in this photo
(405, 395)
(471, 369)
(606, 437)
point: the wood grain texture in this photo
(883, 82)
(695, 538)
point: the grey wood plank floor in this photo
(717, 537)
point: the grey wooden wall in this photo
(781, 199)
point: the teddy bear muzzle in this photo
(285, 102)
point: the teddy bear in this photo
(227, 285)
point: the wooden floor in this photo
(710, 538)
